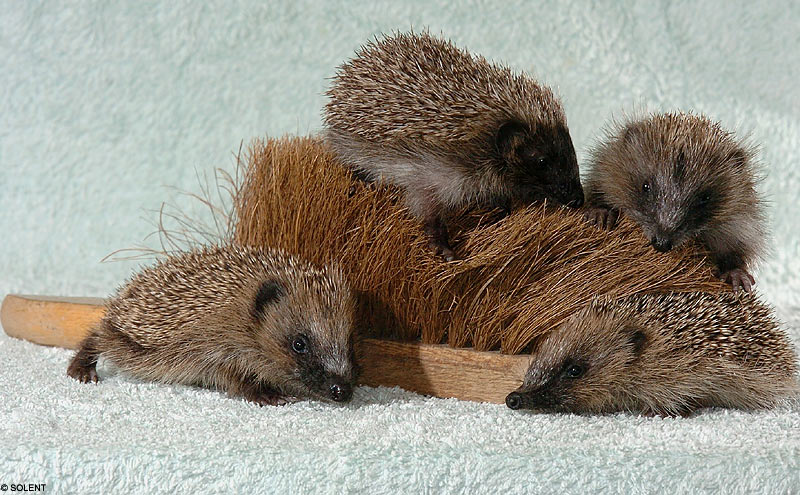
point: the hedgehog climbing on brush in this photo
(682, 176)
(450, 129)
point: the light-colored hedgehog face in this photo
(582, 366)
(540, 163)
(306, 332)
(670, 174)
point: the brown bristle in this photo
(518, 278)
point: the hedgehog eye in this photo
(574, 371)
(300, 344)
(703, 200)
(533, 158)
(646, 188)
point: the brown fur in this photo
(226, 318)
(518, 279)
(682, 158)
(662, 354)
(449, 128)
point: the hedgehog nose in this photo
(341, 392)
(660, 244)
(572, 196)
(514, 400)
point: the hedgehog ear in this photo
(509, 139)
(637, 339)
(738, 157)
(268, 293)
(629, 133)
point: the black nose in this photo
(661, 245)
(573, 195)
(341, 392)
(514, 400)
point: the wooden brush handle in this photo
(436, 370)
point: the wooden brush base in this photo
(437, 370)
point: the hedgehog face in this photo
(327, 373)
(670, 205)
(306, 335)
(670, 174)
(540, 164)
(581, 368)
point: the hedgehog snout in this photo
(661, 243)
(532, 397)
(570, 195)
(514, 400)
(340, 390)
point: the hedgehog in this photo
(681, 176)
(662, 354)
(253, 323)
(450, 129)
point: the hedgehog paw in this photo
(266, 397)
(269, 400)
(82, 373)
(438, 241)
(443, 250)
(738, 278)
(683, 412)
(604, 218)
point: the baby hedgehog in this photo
(664, 354)
(253, 323)
(450, 129)
(682, 176)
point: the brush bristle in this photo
(517, 278)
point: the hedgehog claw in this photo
(683, 412)
(739, 279)
(83, 374)
(444, 251)
(267, 398)
(604, 218)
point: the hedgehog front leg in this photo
(730, 256)
(438, 239)
(504, 204)
(603, 217)
(730, 269)
(424, 206)
(83, 366)
(598, 211)
(265, 396)
(253, 390)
